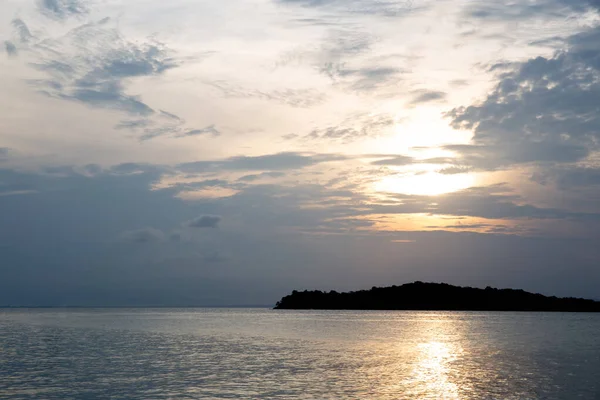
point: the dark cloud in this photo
(145, 235)
(10, 48)
(62, 9)
(316, 231)
(544, 110)
(570, 177)
(506, 10)
(204, 221)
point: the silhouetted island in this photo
(434, 296)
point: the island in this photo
(436, 297)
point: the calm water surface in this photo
(267, 354)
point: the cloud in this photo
(256, 177)
(99, 80)
(204, 221)
(506, 10)
(316, 230)
(11, 49)
(22, 30)
(62, 9)
(269, 162)
(491, 202)
(378, 7)
(209, 130)
(569, 177)
(301, 98)
(395, 161)
(355, 127)
(170, 115)
(543, 110)
(362, 79)
(94, 64)
(427, 96)
(145, 235)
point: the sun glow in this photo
(427, 183)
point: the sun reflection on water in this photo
(432, 371)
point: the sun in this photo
(427, 183)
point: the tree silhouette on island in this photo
(434, 296)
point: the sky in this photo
(227, 152)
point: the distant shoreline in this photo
(419, 296)
(118, 307)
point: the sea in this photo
(201, 353)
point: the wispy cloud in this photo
(95, 64)
(301, 98)
(355, 127)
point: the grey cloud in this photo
(93, 64)
(62, 9)
(378, 7)
(109, 96)
(464, 226)
(426, 96)
(570, 177)
(455, 169)
(341, 58)
(175, 236)
(264, 234)
(396, 160)
(169, 115)
(151, 129)
(484, 202)
(270, 162)
(10, 48)
(255, 177)
(209, 130)
(542, 110)
(145, 235)
(401, 160)
(22, 30)
(504, 10)
(133, 124)
(204, 221)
